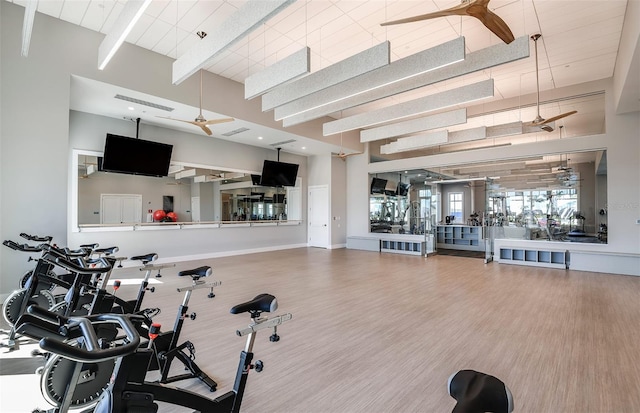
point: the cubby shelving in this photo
(460, 237)
(535, 257)
(402, 247)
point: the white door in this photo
(195, 208)
(120, 209)
(318, 216)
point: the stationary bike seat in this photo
(261, 303)
(478, 392)
(106, 251)
(196, 273)
(145, 258)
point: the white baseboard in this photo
(227, 253)
(337, 246)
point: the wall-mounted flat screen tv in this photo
(403, 189)
(378, 185)
(136, 156)
(255, 179)
(279, 174)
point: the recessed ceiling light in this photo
(304, 147)
(131, 108)
(260, 137)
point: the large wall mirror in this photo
(192, 193)
(554, 197)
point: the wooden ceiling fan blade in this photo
(205, 129)
(555, 118)
(455, 11)
(494, 23)
(181, 120)
(216, 121)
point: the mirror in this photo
(190, 194)
(554, 197)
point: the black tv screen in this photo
(378, 185)
(403, 189)
(136, 156)
(279, 174)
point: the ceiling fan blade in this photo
(181, 120)
(494, 23)
(216, 121)
(205, 129)
(555, 118)
(476, 8)
(454, 11)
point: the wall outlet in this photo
(638, 221)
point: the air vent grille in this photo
(235, 132)
(282, 143)
(144, 102)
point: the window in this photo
(455, 205)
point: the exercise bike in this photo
(95, 376)
(477, 392)
(128, 392)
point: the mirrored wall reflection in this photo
(254, 204)
(187, 195)
(554, 197)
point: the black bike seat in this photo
(106, 251)
(196, 273)
(262, 303)
(90, 246)
(145, 258)
(478, 392)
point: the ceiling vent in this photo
(282, 143)
(143, 102)
(235, 132)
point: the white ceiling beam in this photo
(349, 68)
(425, 104)
(129, 16)
(411, 66)
(245, 20)
(333, 98)
(27, 25)
(291, 67)
(440, 120)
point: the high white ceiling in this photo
(579, 44)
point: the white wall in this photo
(35, 148)
(623, 161)
(338, 191)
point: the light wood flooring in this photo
(382, 332)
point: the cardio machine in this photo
(127, 391)
(477, 392)
(165, 349)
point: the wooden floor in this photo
(383, 332)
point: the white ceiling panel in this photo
(579, 44)
(154, 34)
(52, 8)
(73, 11)
(97, 14)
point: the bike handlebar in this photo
(83, 270)
(49, 322)
(36, 238)
(21, 247)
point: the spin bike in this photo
(128, 392)
(95, 376)
(477, 392)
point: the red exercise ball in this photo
(159, 215)
(173, 216)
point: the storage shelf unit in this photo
(535, 257)
(403, 247)
(460, 237)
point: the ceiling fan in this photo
(342, 155)
(200, 121)
(539, 120)
(473, 8)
